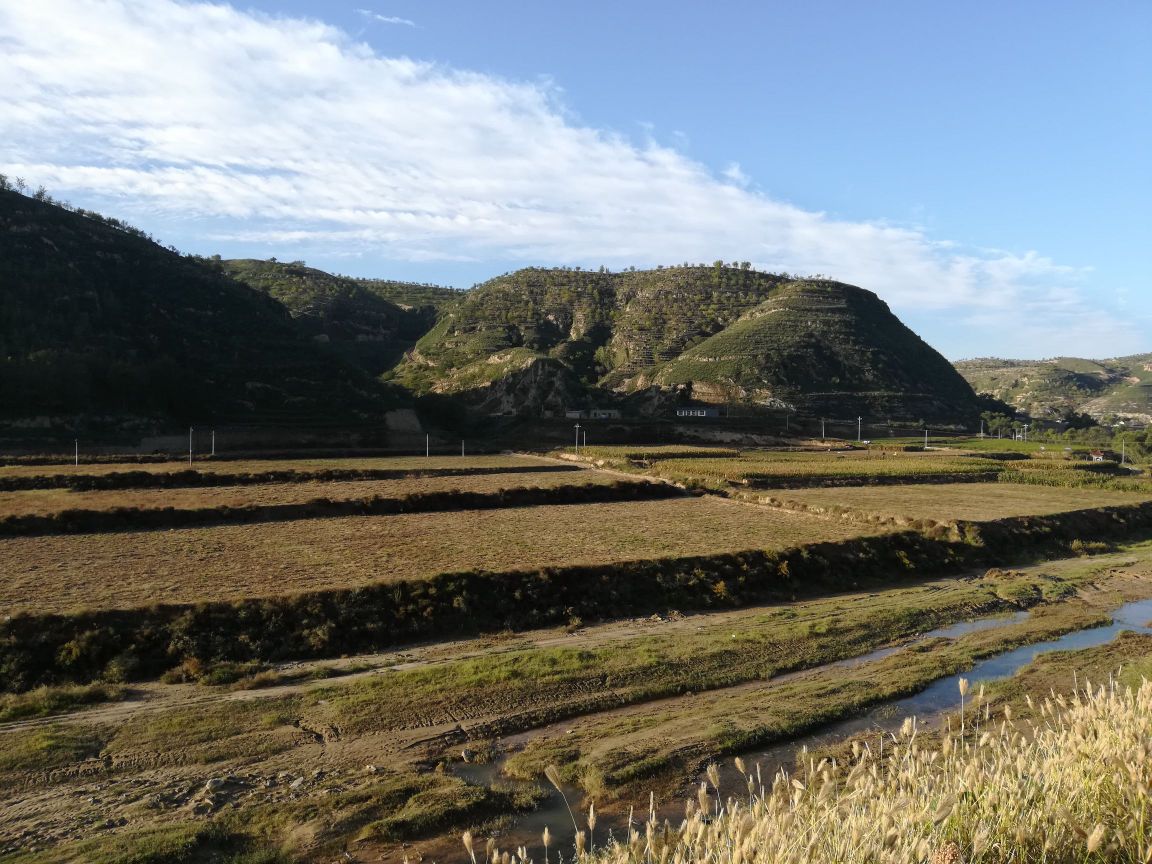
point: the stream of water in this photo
(941, 696)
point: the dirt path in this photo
(599, 469)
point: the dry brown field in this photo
(972, 501)
(46, 502)
(252, 466)
(130, 569)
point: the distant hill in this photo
(413, 296)
(1120, 387)
(96, 319)
(715, 333)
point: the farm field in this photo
(986, 444)
(972, 501)
(124, 570)
(365, 753)
(766, 468)
(49, 501)
(621, 708)
(254, 466)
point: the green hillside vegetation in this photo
(98, 319)
(1050, 389)
(719, 333)
(346, 314)
(668, 311)
(413, 295)
(823, 347)
(603, 326)
(102, 321)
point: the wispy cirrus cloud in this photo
(287, 131)
(386, 19)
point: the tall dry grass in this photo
(1069, 784)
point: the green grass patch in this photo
(45, 701)
(50, 747)
(180, 843)
(213, 733)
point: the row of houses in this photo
(689, 412)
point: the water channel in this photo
(943, 695)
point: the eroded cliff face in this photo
(534, 387)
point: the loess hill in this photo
(1051, 388)
(556, 337)
(99, 320)
(824, 348)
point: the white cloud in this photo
(736, 174)
(385, 19)
(304, 136)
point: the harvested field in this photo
(972, 501)
(44, 502)
(125, 570)
(255, 466)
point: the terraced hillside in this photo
(1049, 388)
(824, 348)
(416, 296)
(716, 333)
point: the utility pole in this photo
(859, 434)
(925, 437)
(1123, 451)
(822, 435)
(189, 445)
(577, 439)
(981, 427)
(77, 454)
(461, 447)
(427, 445)
(213, 442)
(584, 439)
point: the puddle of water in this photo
(962, 628)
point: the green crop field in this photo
(768, 467)
(123, 570)
(985, 445)
(665, 451)
(972, 501)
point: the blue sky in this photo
(984, 167)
